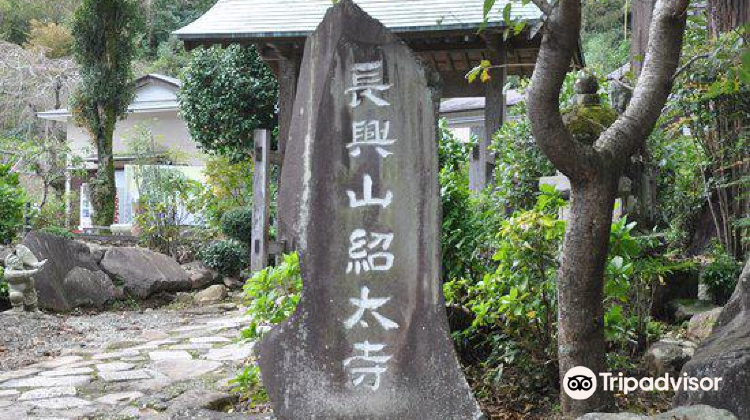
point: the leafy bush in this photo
(248, 383)
(3, 284)
(227, 257)
(272, 295)
(520, 163)
(58, 231)
(228, 185)
(11, 205)
(238, 224)
(518, 301)
(226, 94)
(721, 274)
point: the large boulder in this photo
(725, 354)
(71, 278)
(697, 412)
(200, 275)
(701, 325)
(668, 356)
(213, 294)
(143, 273)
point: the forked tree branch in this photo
(630, 131)
(544, 6)
(559, 42)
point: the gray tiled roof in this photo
(254, 19)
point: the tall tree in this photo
(105, 33)
(594, 171)
(725, 15)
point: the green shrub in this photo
(721, 274)
(237, 224)
(58, 231)
(11, 205)
(248, 383)
(272, 295)
(227, 257)
(3, 284)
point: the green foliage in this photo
(461, 227)
(228, 185)
(227, 93)
(248, 384)
(3, 284)
(56, 40)
(721, 274)
(104, 33)
(58, 231)
(17, 15)
(586, 122)
(520, 164)
(165, 195)
(165, 16)
(12, 201)
(237, 224)
(518, 301)
(272, 295)
(227, 257)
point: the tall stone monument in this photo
(369, 340)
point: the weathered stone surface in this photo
(117, 354)
(702, 324)
(60, 362)
(68, 372)
(699, 412)
(668, 356)
(71, 277)
(41, 382)
(200, 398)
(21, 373)
(213, 294)
(119, 398)
(210, 340)
(234, 352)
(169, 355)
(114, 367)
(9, 393)
(684, 310)
(125, 375)
(369, 339)
(725, 354)
(143, 272)
(182, 370)
(45, 393)
(64, 403)
(200, 275)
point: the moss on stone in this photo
(586, 123)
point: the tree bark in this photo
(581, 285)
(103, 188)
(594, 171)
(725, 15)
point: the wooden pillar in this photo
(287, 77)
(482, 165)
(261, 201)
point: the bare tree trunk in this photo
(581, 285)
(593, 171)
(725, 15)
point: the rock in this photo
(200, 275)
(97, 251)
(361, 204)
(119, 398)
(125, 375)
(114, 367)
(144, 273)
(64, 403)
(68, 372)
(182, 370)
(697, 412)
(42, 382)
(71, 277)
(200, 398)
(685, 309)
(679, 285)
(233, 283)
(45, 393)
(668, 356)
(213, 294)
(702, 324)
(169, 355)
(233, 353)
(725, 354)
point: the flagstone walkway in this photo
(181, 372)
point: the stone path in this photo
(160, 375)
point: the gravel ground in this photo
(25, 339)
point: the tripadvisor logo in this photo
(580, 383)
